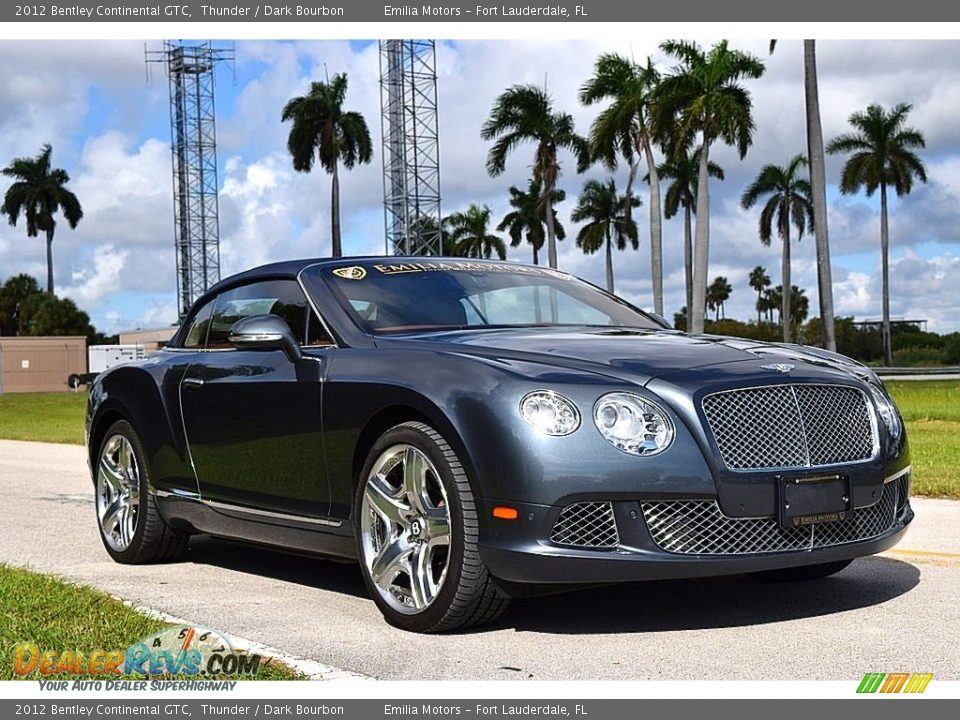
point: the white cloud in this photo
(109, 129)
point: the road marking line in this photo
(312, 669)
(947, 557)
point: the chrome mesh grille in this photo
(791, 426)
(698, 527)
(588, 524)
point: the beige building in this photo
(40, 364)
(149, 340)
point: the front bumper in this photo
(521, 551)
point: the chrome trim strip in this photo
(271, 514)
(177, 493)
(897, 475)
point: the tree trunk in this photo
(551, 231)
(656, 237)
(50, 261)
(536, 256)
(785, 282)
(759, 296)
(609, 263)
(701, 250)
(885, 270)
(818, 186)
(688, 256)
(336, 250)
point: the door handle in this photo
(195, 382)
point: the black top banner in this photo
(447, 11)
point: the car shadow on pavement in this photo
(709, 603)
(323, 574)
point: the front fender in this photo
(147, 396)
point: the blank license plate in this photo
(814, 500)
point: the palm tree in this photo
(717, 295)
(818, 186)
(799, 307)
(703, 96)
(681, 168)
(323, 129)
(788, 204)
(469, 235)
(528, 218)
(759, 281)
(39, 192)
(623, 128)
(524, 113)
(881, 155)
(608, 222)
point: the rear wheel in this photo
(417, 535)
(131, 528)
(804, 572)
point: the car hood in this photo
(635, 355)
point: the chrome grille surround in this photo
(774, 427)
(587, 525)
(699, 527)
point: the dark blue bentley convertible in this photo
(472, 430)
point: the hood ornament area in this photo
(779, 367)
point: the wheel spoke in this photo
(380, 496)
(390, 562)
(110, 474)
(112, 515)
(415, 478)
(438, 527)
(422, 586)
(124, 460)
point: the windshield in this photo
(446, 294)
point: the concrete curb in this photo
(312, 669)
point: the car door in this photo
(253, 417)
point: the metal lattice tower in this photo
(190, 71)
(411, 147)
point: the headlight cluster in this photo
(549, 413)
(633, 424)
(886, 408)
(629, 422)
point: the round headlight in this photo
(633, 424)
(888, 411)
(549, 413)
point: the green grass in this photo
(56, 615)
(47, 417)
(931, 409)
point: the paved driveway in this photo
(898, 611)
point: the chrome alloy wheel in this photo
(405, 529)
(118, 492)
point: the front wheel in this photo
(417, 533)
(131, 527)
(804, 572)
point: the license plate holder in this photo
(814, 500)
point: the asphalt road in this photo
(894, 612)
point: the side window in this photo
(317, 335)
(197, 332)
(274, 297)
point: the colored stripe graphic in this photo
(913, 683)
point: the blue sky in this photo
(109, 128)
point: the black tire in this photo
(468, 596)
(153, 540)
(804, 572)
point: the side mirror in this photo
(264, 332)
